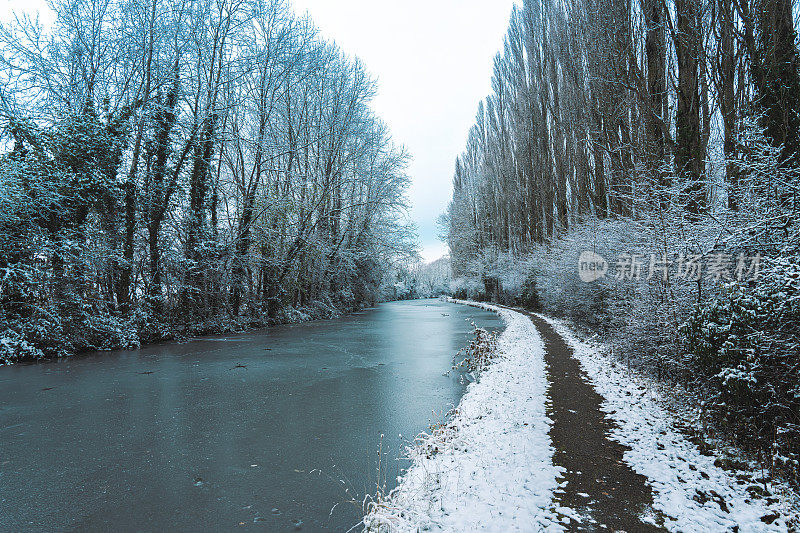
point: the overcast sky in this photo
(433, 61)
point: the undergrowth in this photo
(480, 352)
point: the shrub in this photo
(14, 347)
(108, 332)
(529, 299)
(480, 352)
(744, 343)
(45, 331)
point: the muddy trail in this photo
(600, 486)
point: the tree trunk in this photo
(779, 88)
(727, 97)
(689, 159)
(655, 50)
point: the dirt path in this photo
(599, 484)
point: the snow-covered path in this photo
(690, 491)
(602, 489)
(492, 467)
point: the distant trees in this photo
(186, 164)
(418, 280)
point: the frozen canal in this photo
(268, 430)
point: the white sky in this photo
(433, 61)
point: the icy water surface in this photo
(274, 430)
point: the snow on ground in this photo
(491, 467)
(692, 493)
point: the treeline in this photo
(662, 130)
(421, 280)
(183, 166)
(612, 107)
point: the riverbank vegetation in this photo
(663, 137)
(174, 167)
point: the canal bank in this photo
(557, 436)
(266, 430)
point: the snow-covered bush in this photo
(14, 347)
(746, 343)
(295, 316)
(480, 352)
(466, 287)
(45, 331)
(107, 332)
(323, 308)
(547, 275)
(529, 297)
(149, 325)
(554, 267)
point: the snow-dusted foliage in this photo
(177, 168)
(479, 353)
(14, 347)
(730, 340)
(695, 490)
(744, 338)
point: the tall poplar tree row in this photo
(607, 108)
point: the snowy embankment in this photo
(491, 466)
(692, 492)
